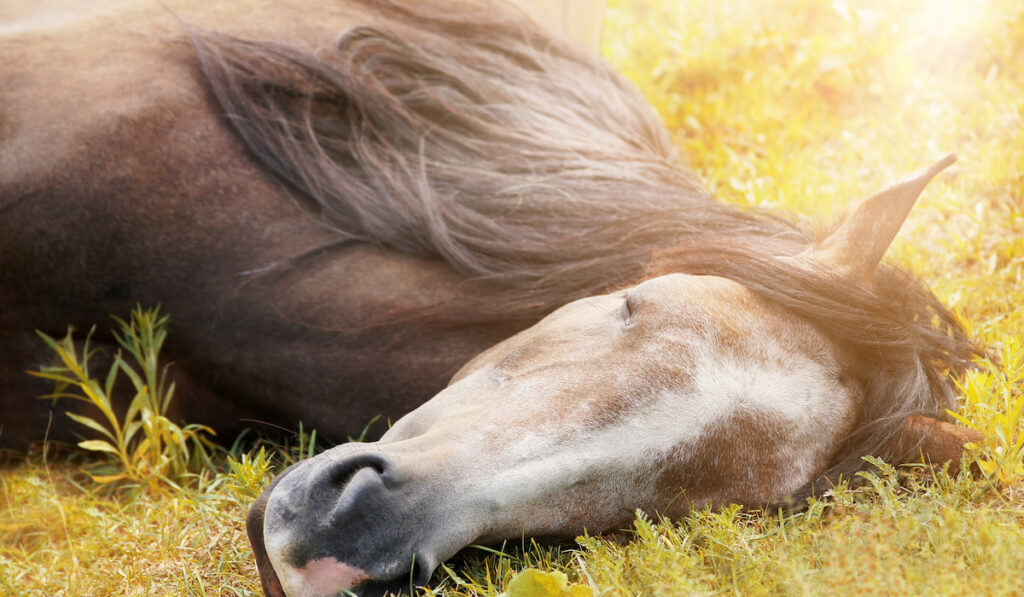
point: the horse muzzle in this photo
(351, 519)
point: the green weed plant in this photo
(143, 447)
(993, 403)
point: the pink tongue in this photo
(326, 576)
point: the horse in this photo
(448, 212)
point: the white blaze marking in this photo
(780, 384)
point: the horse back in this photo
(121, 183)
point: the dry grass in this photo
(60, 538)
(796, 104)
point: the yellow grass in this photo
(802, 105)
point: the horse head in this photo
(681, 391)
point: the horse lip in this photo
(254, 529)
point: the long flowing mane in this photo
(464, 132)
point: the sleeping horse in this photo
(445, 199)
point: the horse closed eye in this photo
(628, 308)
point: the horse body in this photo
(120, 183)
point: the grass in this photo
(60, 537)
(800, 105)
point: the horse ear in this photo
(856, 247)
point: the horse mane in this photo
(465, 133)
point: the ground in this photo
(800, 105)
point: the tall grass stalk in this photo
(141, 448)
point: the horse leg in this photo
(934, 441)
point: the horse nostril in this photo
(343, 471)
